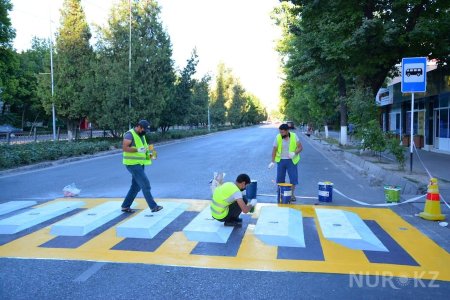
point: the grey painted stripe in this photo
(89, 272)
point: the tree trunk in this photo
(343, 108)
(70, 130)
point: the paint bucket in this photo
(392, 193)
(251, 190)
(325, 191)
(284, 193)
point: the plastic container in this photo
(325, 191)
(392, 193)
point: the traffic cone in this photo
(432, 209)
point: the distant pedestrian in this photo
(286, 153)
(136, 155)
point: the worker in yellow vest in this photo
(228, 201)
(286, 153)
(137, 155)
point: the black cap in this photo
(284, 127)
(144, 124)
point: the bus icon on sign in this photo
(414, 71)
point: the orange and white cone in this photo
(432, 209)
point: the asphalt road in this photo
(183, 170)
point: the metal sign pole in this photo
(412, 135)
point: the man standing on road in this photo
(136, 156)
(228, 201)
(286, 153)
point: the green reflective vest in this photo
(292, 148)
(219, 204)
(136, 158)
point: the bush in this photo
(394, 147)
(23, 154)
(372, 137)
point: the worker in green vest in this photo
(137, 155)
(286, 153)
(228, 201)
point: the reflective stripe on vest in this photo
(219, 203)
(136, 158)
(292, 147)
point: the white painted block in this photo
(280, 226)
(147, 224)
(86, 221)
(204, 228)
(36, 216)
(348, 229)
(14, 205)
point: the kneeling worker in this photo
(228, 201)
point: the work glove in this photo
(253, 202)
(291, 154)
(141, 149)
(271, 165)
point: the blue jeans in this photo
(139, 181)
(287, 165)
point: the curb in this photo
(376, 174)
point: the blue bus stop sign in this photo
(414, 75)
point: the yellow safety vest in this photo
(219, 204)
(292, 148)
(136, 158)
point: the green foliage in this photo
(394, 146)
(200, 101)
(152, 76)
(221, 95)
(372, 137)
(23, 154)
(331, 48)
(72, 65)
(179, 107)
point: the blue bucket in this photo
(284, 193)
(251, 190)
(325, 191)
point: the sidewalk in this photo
(385, 170)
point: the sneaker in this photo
(293, 199)
(232, 223)
(157, 208)
(239, 220)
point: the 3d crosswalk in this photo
(276, 226)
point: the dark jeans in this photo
(139, 182)
(234, 210)
(286, 165)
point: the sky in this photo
(238, 33)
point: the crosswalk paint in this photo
(280, 226)
(86, 221)
(36, 216)
(148, 224)
(348, 229)
(204, 228)
(14, 205)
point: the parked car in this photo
(290, 124)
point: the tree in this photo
(221, 95)
(238, 105)
(151, 82)
(356, 44)
(200, 102)
(178, 108)
(34, 68)
(72, 66)
(8, 59)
